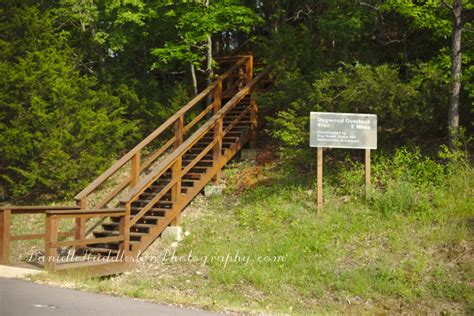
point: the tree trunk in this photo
(193, 80)
(209, 73)
(454, 98)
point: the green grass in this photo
(407, 248)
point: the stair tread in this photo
(148, 201)
(153, 209)
(115, 232)
(134, 225)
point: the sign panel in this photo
(343, 130)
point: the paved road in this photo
(23, 298)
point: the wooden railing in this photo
(52, 223)
(6, 237)
(177, 124)
(51, 235)
(173, 162)
(237, 81)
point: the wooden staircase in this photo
(122, 212)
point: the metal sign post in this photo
(341, 130)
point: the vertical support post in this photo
(367, 171)
(176, 190)
(81, 222)
(217, 97)
(5, 236)
(50, 250)
(125, 230)
(178, 131)
(135, 169)
(319, 175)
(249, 69)
(216, 155)
(253, 121)
(176, 169)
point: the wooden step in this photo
(200, 163)
(116, 233)
(148, 201)
(116, 219)
(153, 209)
(157, 188)
(114, 224)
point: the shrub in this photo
(405, 109)
(57, 129)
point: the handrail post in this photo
(125, 230)
(217, 131)
(176, 170)
(178, 131)
(249, 69)
(176, 189)
(253, 121)
(51, 237)
(5, 236)
(81, 222)
(135, 169)
(217, 97)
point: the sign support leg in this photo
(367, 171)
(319, 175)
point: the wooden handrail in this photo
(88, 211)
(167, 124)
(52, 231)
(53, 214)
(178, 152)
(39, 209)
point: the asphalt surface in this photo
(23, 298)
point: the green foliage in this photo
(402, 106)
(193, 23)
(57, 128)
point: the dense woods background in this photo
(83, 80)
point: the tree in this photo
(194, 24)
(58, 128)
(461, 14)
(431, 15)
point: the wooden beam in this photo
(81, 222)
(84, 242)
(217, 129)
(319, 175)
(249, 69)
(92, 211)
(40, 209)
(135, 169)
(217, 97)
(367, 171)
(125, 230)
(176, 189)
(5, 236)
(216, 155)
(91, 215)
(51, 253)
(39, 236)
(253, 121)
